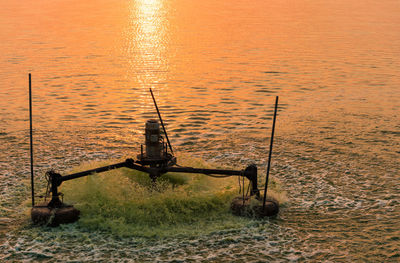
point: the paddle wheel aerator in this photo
(155, 158)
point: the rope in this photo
(243, 189)
(248, 189)
(47, 177)
(218, 176)
(240, 186)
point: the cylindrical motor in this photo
(153, 139)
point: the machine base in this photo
(49, 216)
(252, 207)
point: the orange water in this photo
(215, 67)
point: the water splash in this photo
(126, 202)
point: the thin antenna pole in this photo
(270, 151)
(31, 138)
(162, 123)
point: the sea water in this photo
(215, 67)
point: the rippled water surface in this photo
(215, 67)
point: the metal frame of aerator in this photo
(55, 179)
(155, 167)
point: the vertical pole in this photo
(270, 151)
(31, 138)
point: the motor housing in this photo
(155, 152)
(153, 141)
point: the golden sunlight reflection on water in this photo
(148, 42)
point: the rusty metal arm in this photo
(250, 173)
(55, 179)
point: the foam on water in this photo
(126, 202)
(123, 206)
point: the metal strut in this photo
(162, 123)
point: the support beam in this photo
(31, 139)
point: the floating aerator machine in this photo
(155, 158)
